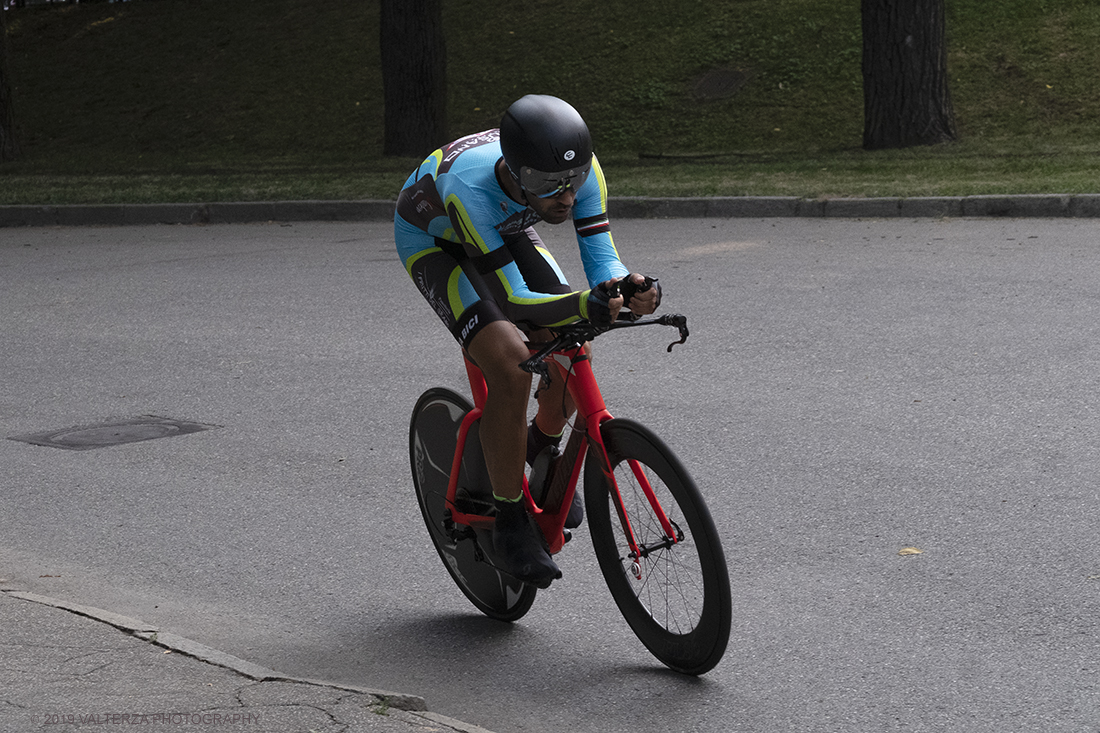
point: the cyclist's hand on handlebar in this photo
(640, 294)
(604, 303)
(643, 294)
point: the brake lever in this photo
(672, 319)
(681, 323)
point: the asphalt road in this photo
(851, 389)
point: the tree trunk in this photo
(905, 96)
(9, 150)
(414, 66)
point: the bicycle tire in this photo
(433, 435)
(681, 608)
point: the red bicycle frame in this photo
(571, 364)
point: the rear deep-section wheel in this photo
(675, 592)
(433, 435)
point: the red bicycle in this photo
(654, 538)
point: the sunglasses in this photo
(547, 185)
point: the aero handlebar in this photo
(575, 334)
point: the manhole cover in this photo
(116, 432)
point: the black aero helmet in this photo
(546, 145)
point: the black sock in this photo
(537, 440)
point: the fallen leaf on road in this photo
(910, 551)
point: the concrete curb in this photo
(991, 206)
(209, 213)
(181, 645)
(1033, 205)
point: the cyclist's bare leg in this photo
(498, 349)
(556, 406)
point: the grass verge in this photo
(206, 100)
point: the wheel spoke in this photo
(670, 588)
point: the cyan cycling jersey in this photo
(454, 196)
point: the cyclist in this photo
(464, 231)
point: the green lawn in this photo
(206, 100)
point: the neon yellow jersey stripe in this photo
(598, 170)
(453, 295)
(463, 224)
(422, 253)
(436, 158)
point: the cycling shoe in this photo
(518, 549)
